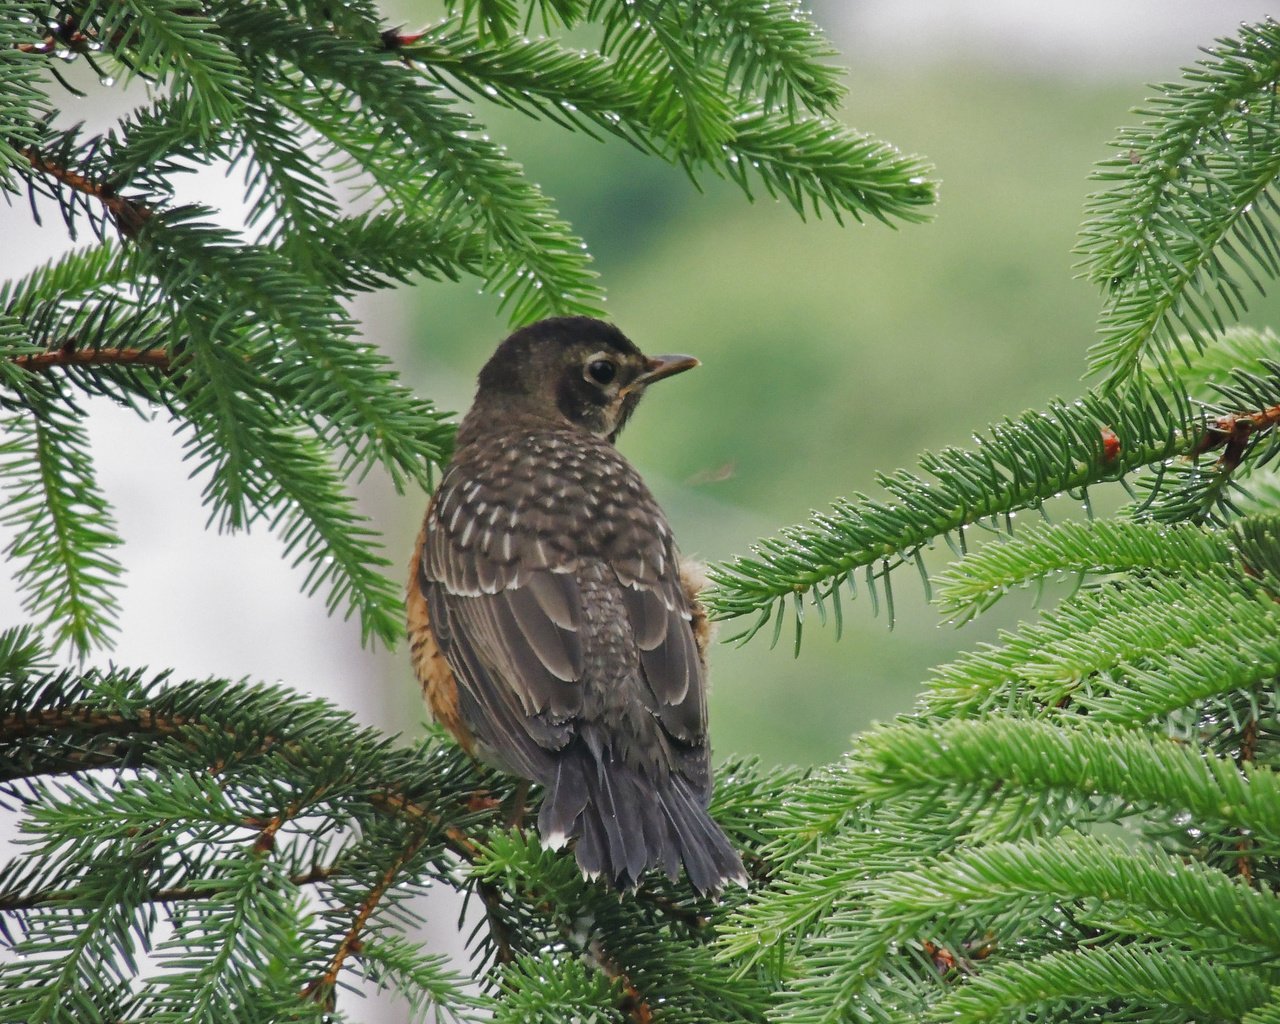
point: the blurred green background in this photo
(829, 351)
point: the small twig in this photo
(503, 952)
(23, 725)
(1230, 433)
(321, 988)
(455, 840)
(62, 36)
(46, 45)
(265, 841)
(396, 39)
(68, 355)
(129, 214)
(633, 1002)
(948, 963)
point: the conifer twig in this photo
(320, 988)
(1232, 432)
(67, 34)
(498, 930)
(129, 214)
(49, 721)
(1020, 465)
(633, 1002)
(67, 354)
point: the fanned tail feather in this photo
(626, 824)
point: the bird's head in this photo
(577, 369)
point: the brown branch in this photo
(456, 840)
(265, 841)
(68, 355)
(395, 39)
(1230, 433)
(82, 716)
(633, 1003)
(129, 214)
(321, 989)
(68, 34)
(498, 930)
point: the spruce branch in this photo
(1191, 210)
(1143, 705)
(68, 354)
(1187, 490)
(660, 42)
(64, 534)
(984, 759)
(71, 278)
(1147, 974)
(1010, 887)
(12, 902)
(181, 45)
(218, 766)
(551, 988)
(1152, 621)
(811, 160)
(1238, 348)
(543, 267)
(35, 739)
(1097, 548)
(576, 89)
(1231, 914)
(1231, 433)
(771, 48)
(322, 989)
(1019, 464)
(816, 163)
(154, 730)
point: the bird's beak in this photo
(659, 367)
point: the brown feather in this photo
(429, 664)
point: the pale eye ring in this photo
(602, 371)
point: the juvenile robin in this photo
(551, 625)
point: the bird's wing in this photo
(507, 610)
(661, 622)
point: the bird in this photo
(554, 629)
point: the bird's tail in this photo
(626, 823)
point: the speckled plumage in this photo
(550, 623)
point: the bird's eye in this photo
(602, 371)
